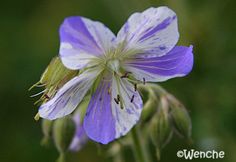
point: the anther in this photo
(38, 93)
(100, 99)
(117, 101)
(135, 87)
(46, 96)
(144, 81)
(125, 75)
(118, 97)
(132, 99)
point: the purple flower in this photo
(144, 50)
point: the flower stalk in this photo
(139, 148)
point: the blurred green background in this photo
(29, 39)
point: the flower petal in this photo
(69, 96)
(82, 39)
(99, 123)
(177, 63)
(154, 32)
(80, 137)
(127, 117)
(105, 120)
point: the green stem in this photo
(118, 157)
(138, 148)
(62, 157)
(158, 154)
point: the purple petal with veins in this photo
(74, 31)
(81, 40)
(178, 62)
(164, 24)
(153, 32)
(99, 123)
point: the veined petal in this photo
(154, 32)
(105, 120)
(82, 39)
(129, 115)
(80, 137)
(176, 63)
(99, 123)
(69, 96)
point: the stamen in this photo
(40, 100)
(117, 101)
(100, 99)
(118, 97)
(126, 75)
(38, 93)
(46, 96)
(132, 99)
(135, 87)
(144, 81)
(33, 86)
(40, 85)
(37, 117)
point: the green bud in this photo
(56, 73)
(48, 72)
(161, 131)
(63, 133)
(181, 120)
(149, 109)
(53, 78)
(47, 131)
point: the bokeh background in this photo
(29, 39)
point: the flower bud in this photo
(149, 109)
(63, 133)
(161, 131)
(181, 120)
(47, 131)
(56, 72)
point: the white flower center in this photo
(113, 64)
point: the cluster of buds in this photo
(66, 133)
(166, 116)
